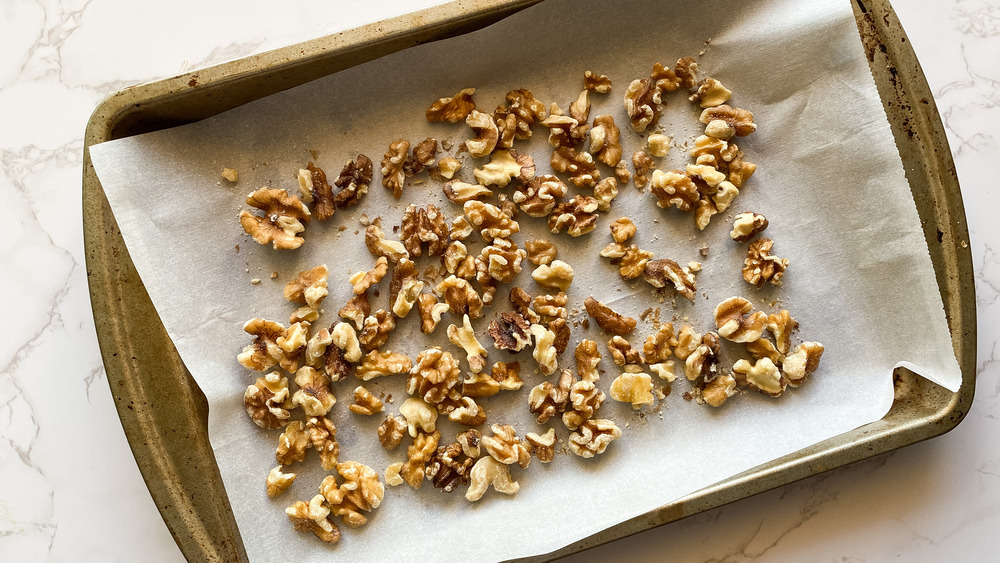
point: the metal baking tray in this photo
(153, 391)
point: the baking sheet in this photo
(828, 171)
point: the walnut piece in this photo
(747, 225)
(393, 163)
(639, 104)
(642, 163)
(711, 93)
(378, 245)
(468, 414)
(760, 266)
(622, 352)
(537, 198)
(762, 348)
(633, 387)
(353, 182)
(605, 192)
(430, 312)
(313, 394)
(505, 166)
(313, 516)
(465, 338)
(658, 346)
(576, 216)
(588, 357)
(292, 444)
(633, 262)
(419, 415)
(551, 306)
(362, 281)
(282, 220)
(488, 471)
(605, 141)
(392, 476)
(461, 228)
(521, 301)
(547, 400)
(719, 390)
(419, 453)
(461, 298)
(278, 482)
(376, 331)
(740, 120)
(593, 437)
(459, 192)
(702, 366)
(424, 226)
(316, 190)
(434, 376)
(390, 432)
(323, 437)
(527, 111)
(293, 345)
(356, 310)
(346, 339)
(470, 440)
(596, 82)
(490, 220)
(267, 401)
(449, 467)
(453, 109)
(404, 289)
(365, 403)
(802, 361)
(578, 165)
(610, 321)
(486, 131)
(545, 353)
(509, 331)
(659, 272)
(505, 447)
(674, 189)
(763, 376)
(503, 259)
(540, 251)
(542, 446)
(554, 275)
(687, 342)
(361, 491)
(263, 353)
(659, 144)
(309, 286)
(584, 400)
(446, 168)
(622, 229)
(732, 321)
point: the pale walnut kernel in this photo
(663, 370)
(376, 331)
(447, 167)
(505, 447)
(392, 476)
(554, 275)
(578, 165)
(390, 432)
(674, 189)
(460, 297)
(542, 446)
(622, 352)
(551, 306)
(346, 340)
(733, 323)
(480, 384)
(802, 361)
(362, 281)
(419, 415)
(419, 453)
(293, 345)
(292, 444)
(740, 120)
(762, 348)
(393, 161)
(470, 440)
(461, 228)
(317, 347)
(545, 353)
(639, 104)
(486, 472)
(605, 192)
(378, 245)
(453, 109)
(503, 259)
(537, 198)
(323, 437)
(747, 225)
(313, 394)
(588, 357)
(459, 192)
(719, 129)
(576, 216)
(313, 517)
(490, 220)
(540, 251)
(454, 259)
(596, 82)
(434, 376)
(314, 189)
(465, 338)
(719, 390)
(633, 387)
(449, 467)
(356, 310)
(278, 482)
(505, 166)
(605, 141)
(609, 320)
(702, 365)
(267, 401)
(404, 288)
(622, 174)
(424, 226)
(584, 400)
(468, 414)
(642, 163)
(711, 93)
(659, 144)
(660, 272)
(763, 376)
(365, 403)
(509, 331)
(353, 182)
(263, 353)
(593, 436)
(486, 131)
(309, 286)
(633, 262)
(760, 266)
(781, 326)
(282, 220)
(547, 400)
(361, 491)
(614, 251)
(622, 230)
(430, 312)
(688, 341)
(230, 175)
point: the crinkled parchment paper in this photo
(829, 180)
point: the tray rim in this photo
(887, 48)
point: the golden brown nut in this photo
(593, 437)
(537, 198)
(423, 157)
(658, 346)
(747, 225)
(576, 216)
(434, 375)
(470, 440)
(503, 259)
(547, 400)
(584, 400)
(605, 141)
(486, 281)
(658, 273)
(714, 203)
(316, 190)
(633, 386)
(605, 192)
(446, 168)
(362, 281)
(365, 403)
(449, 467)
(379, 245)
(356, 310)
(639, 104)
(554, 275)
(419, 415)
(505, 447)
(740, 171)
(763, 376)
(488, 471)
(542, 446)
(282, 220)
(596, 83)
(642, 163)
(292, 444)
(486, 131)
(588, 357)
(455, 258)
(480, 384)
(313, 394)
(659, 144)
(523, 105)
(718, 391)
(461, 228)
(565, 130)
(505, 166)
(711, 93)
(664, 80)
(459, 192)
(404, 288)
(702, 365)
(360, 492)
(293, 345)
(633, 262)
(506, 127)
(762, 348)
(465, 338)
(610, 321)
(468, 414)
(267, 401)
(540, 251)
(551, 306)
(390, 432)
(578, 165)
(263, 353)
(460, 297)
(781, 326)
(622, 352)
(545, 353)
(430, 312)
(323, 437)
(733, 323)
(424, 226)
(509, 331)
(760, 266)
(392, 476)
(490, 220)
(521, 302)
(560, 328)
(353, 182)
(674, 189)
(309, 286)
(687, 342)
(313, 517)
(278, 482)
(419, 453)
(802, 361)
(376, 331)
(453, 109)
(345, 339)
(393, 162)
(739, 119)
(622, 230)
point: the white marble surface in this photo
(71, 489)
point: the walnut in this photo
(453, 109)
(469, 440)
(480, 384)
(527, 110)
(392, 476)
(323, 437)
(560, 328)
(610, 321)
(521, 301)
(622, 230)
(376, 331)
(434, 375)
(545, 353)
(605, 192)
(278, 482)
(461, 228)
(490, 220)
(419, 415)
(347, 341)
(537, 198)
(658, 345)
(781, 326)
(446, 168)
(503, 259)
(510, 332)
(622, 174)
(390, 432)
(659, 144)
(703, 364)
(267, 401)
(547, 400)
(304, 313)
(230, 175)
(584, 400)
(760, 266)
(747, 225)
(593, 437)
(687, 342)
(715, 203)
(486, 281)
(469, 414)
(449, 467)
(740, 120)
(642, 163)
(263, 353)
(422, 226)
(360, 492)
(633, 386)
(308, 287)
(802, 361)
(710, 93)
(378, 245)
(543, 447)
(313, 516)
(316, 190)
(565, 130)
(576, 216)
(663, 370)
(419, 453)
(505, 166)
(719, 129)
(313, 394)
(633, 262)
(293, 345)
(718, 391)
(507, 375)
(430, 312)
(674, 189)
(578, 165)
(622, 352)
(505, 447)
(763, 376)
(713, 152)
(454, 259)
(353, 182)
(540, 251)
(459, 192)
(282, 220)
(393, 162)
(551, 306)
(486, 131)
(605, 141)
(740, 171)
(596, 83)
(554, 275)
(762, 348)
(734, 325)
(488, 471)
(465, 338)
(659, 272)
(362, 281)
(320, 354)
(506, 123)
(423, 157)
(614, 251)
(356, 310)
(292, 444)
(364, 402)
(639, 104)
(588, 357)
(404, 288)
(460, 297)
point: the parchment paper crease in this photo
(829, 180)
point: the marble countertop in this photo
(72, 490)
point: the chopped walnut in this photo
(596, 82)
(610, 321)
(576, 216)
(711, 93)
(521, 301)
(642, 163)
(392, 476)
(365, 403)
(510, 332)
(459, 192)
(526, 109)
(555, 275)
(762, 348)
(633, 386)
(503, 259)
(378, 245)
(486, 281)
(588, 357)
(292, 444)
(659, 144)
(313, 394)
(393, 173)
(430, 312)
(461, 228)
(278, 482)
(540, 251)
(362, 281)
(713, 152)
(346, 339)
(404, 288)
(560, 328)
(664, 80)
(323, 437)
(356, 310)
(674, 189)
(423, 157)
(565, 130)
(360, 492)
(313, 516)
(747, 225)
(390, 432)
(614, 251)
(480, 384)
(507, 375)
(449, 467)
(505, 447)
(658, 345)
(542, 446)
(687, 342)
(760, 266)
(714, 203)
(230, 175)
(802, 361)
(584, 400)
(639, 104)
(718, 391)
(488, 471)
(446, 168)
(740, 120)
(551, 306)
(537, 198)
(422, 226)
(419, 453)
(547, 400)
(633, 262)
(545, 353)
(733, 323)
(605, 192)
(578, 165)
(316, 190)
(622, 230)
(506, 123)
(659, 272)
(781, 326)
(453, 109)
(468, 414)
(263, 353)
(282, 220)
(267, 401)
(593, 437)
(622, 174)
(740, 171)
(465, 338)
(376, 331)
(353, 182)
(293, 345)
(470, 440)
(763, 376)
(605, 141)
(419, 415)
(486, 131)
(434, 376)
(455, 258)
(490, 220)
(719, 129)
(460, 297)
(622, 352)
(703, 364)
(505, 166)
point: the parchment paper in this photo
(829, 179)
